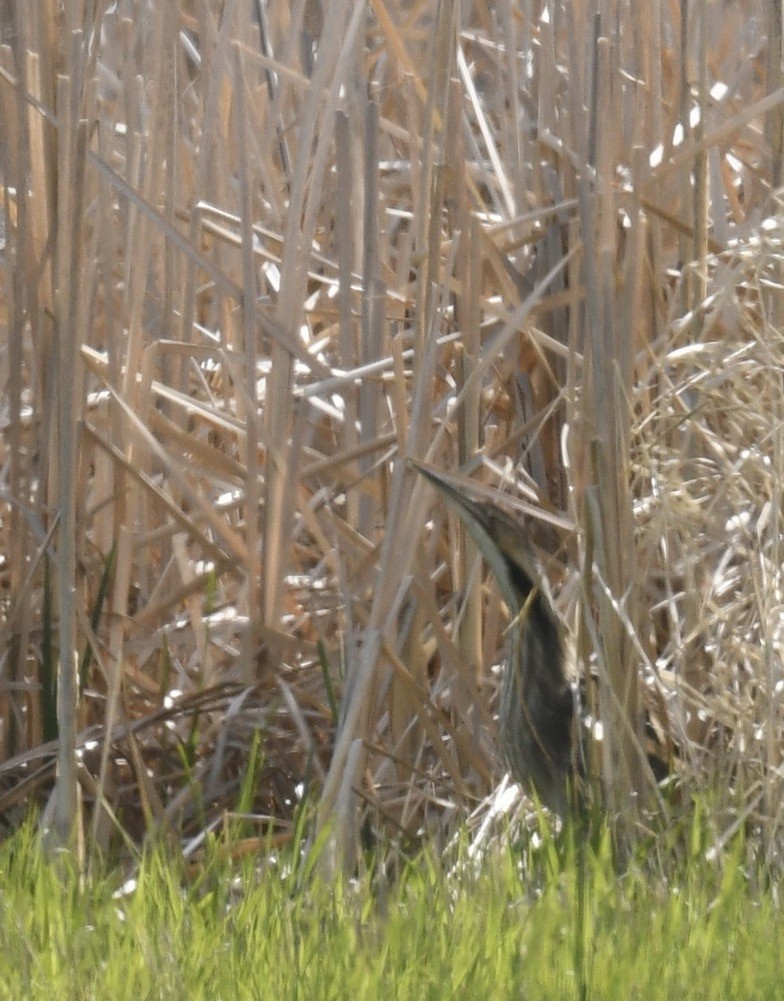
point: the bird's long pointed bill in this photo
(475, 520)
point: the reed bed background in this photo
(256, 256)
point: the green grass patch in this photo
(571, 926)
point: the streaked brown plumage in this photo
(536, 707)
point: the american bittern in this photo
(536, 707)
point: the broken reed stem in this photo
(267, 330)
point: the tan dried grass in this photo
(268, 291)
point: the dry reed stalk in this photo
(310, 250)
